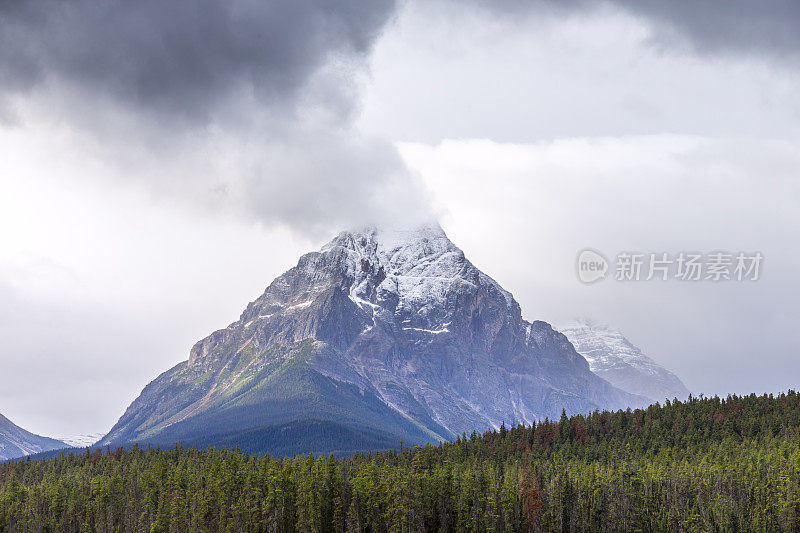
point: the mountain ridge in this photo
(16, 442)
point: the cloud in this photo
(736, 26)
(248, 107)
(336, 186)
(707, 26)
(525, 78)
(242, 106)
(181, 58)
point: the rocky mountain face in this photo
(16, 442)
(378, 337)
(615, 359)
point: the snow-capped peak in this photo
(419, 265)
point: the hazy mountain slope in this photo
(615, 359)
(388, 332)
(16, 442)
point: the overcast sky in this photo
(161, 163)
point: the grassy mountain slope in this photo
(271, 410)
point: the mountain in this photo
(83, 440)
(16, 442)
(615, 359)
(380, 336)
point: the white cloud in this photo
(444, 72)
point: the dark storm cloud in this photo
(723, 27)
(240, 104)
(181, 56)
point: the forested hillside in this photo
(704, 465)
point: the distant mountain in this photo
(615, 359)
(380, 336)
(85, 440)
(16, 442)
